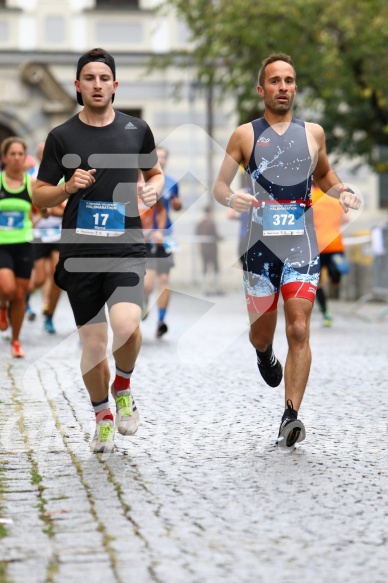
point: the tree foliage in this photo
(340, 55)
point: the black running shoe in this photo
(161, 329)
(31, 316)
(291, 429)
(270, 368)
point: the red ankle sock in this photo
(120, 383)
(105, 414)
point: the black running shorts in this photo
(159, 259)
(18, 257)
(92, 282)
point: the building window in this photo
(108, 4)
(119, 32)
(55, 29)
(4, 31)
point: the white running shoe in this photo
(127, 415)
(103, 439)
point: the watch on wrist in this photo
(229, 199)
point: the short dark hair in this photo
(271, 59)
(92, 56)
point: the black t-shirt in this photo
(102, 219)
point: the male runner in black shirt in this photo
(102, 260)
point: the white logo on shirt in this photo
(262, 141)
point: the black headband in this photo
(88, 57)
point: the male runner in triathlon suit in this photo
(102, 259)
(280, 155)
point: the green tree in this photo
(340, 55)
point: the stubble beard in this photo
(280, 108)
(100, 107)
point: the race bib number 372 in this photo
(283, 219)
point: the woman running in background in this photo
(16, 254)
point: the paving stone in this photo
(200, 494)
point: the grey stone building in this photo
(40, 42)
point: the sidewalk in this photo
(200, 494)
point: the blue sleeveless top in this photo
(280, 166)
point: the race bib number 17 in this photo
(98, 218)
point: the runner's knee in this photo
(298, 330)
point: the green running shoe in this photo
(127, 415)
(103, 440)
(327, 319)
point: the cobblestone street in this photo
(200, 494)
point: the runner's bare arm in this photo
(161, 214)
(323, 174)
(157, 235)
(49, 195)
(236, 153)
(57, 211)
(325, 177)
(153, 187)
(176, 204)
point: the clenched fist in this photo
(148, 195)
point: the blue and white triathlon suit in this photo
(282, 252)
